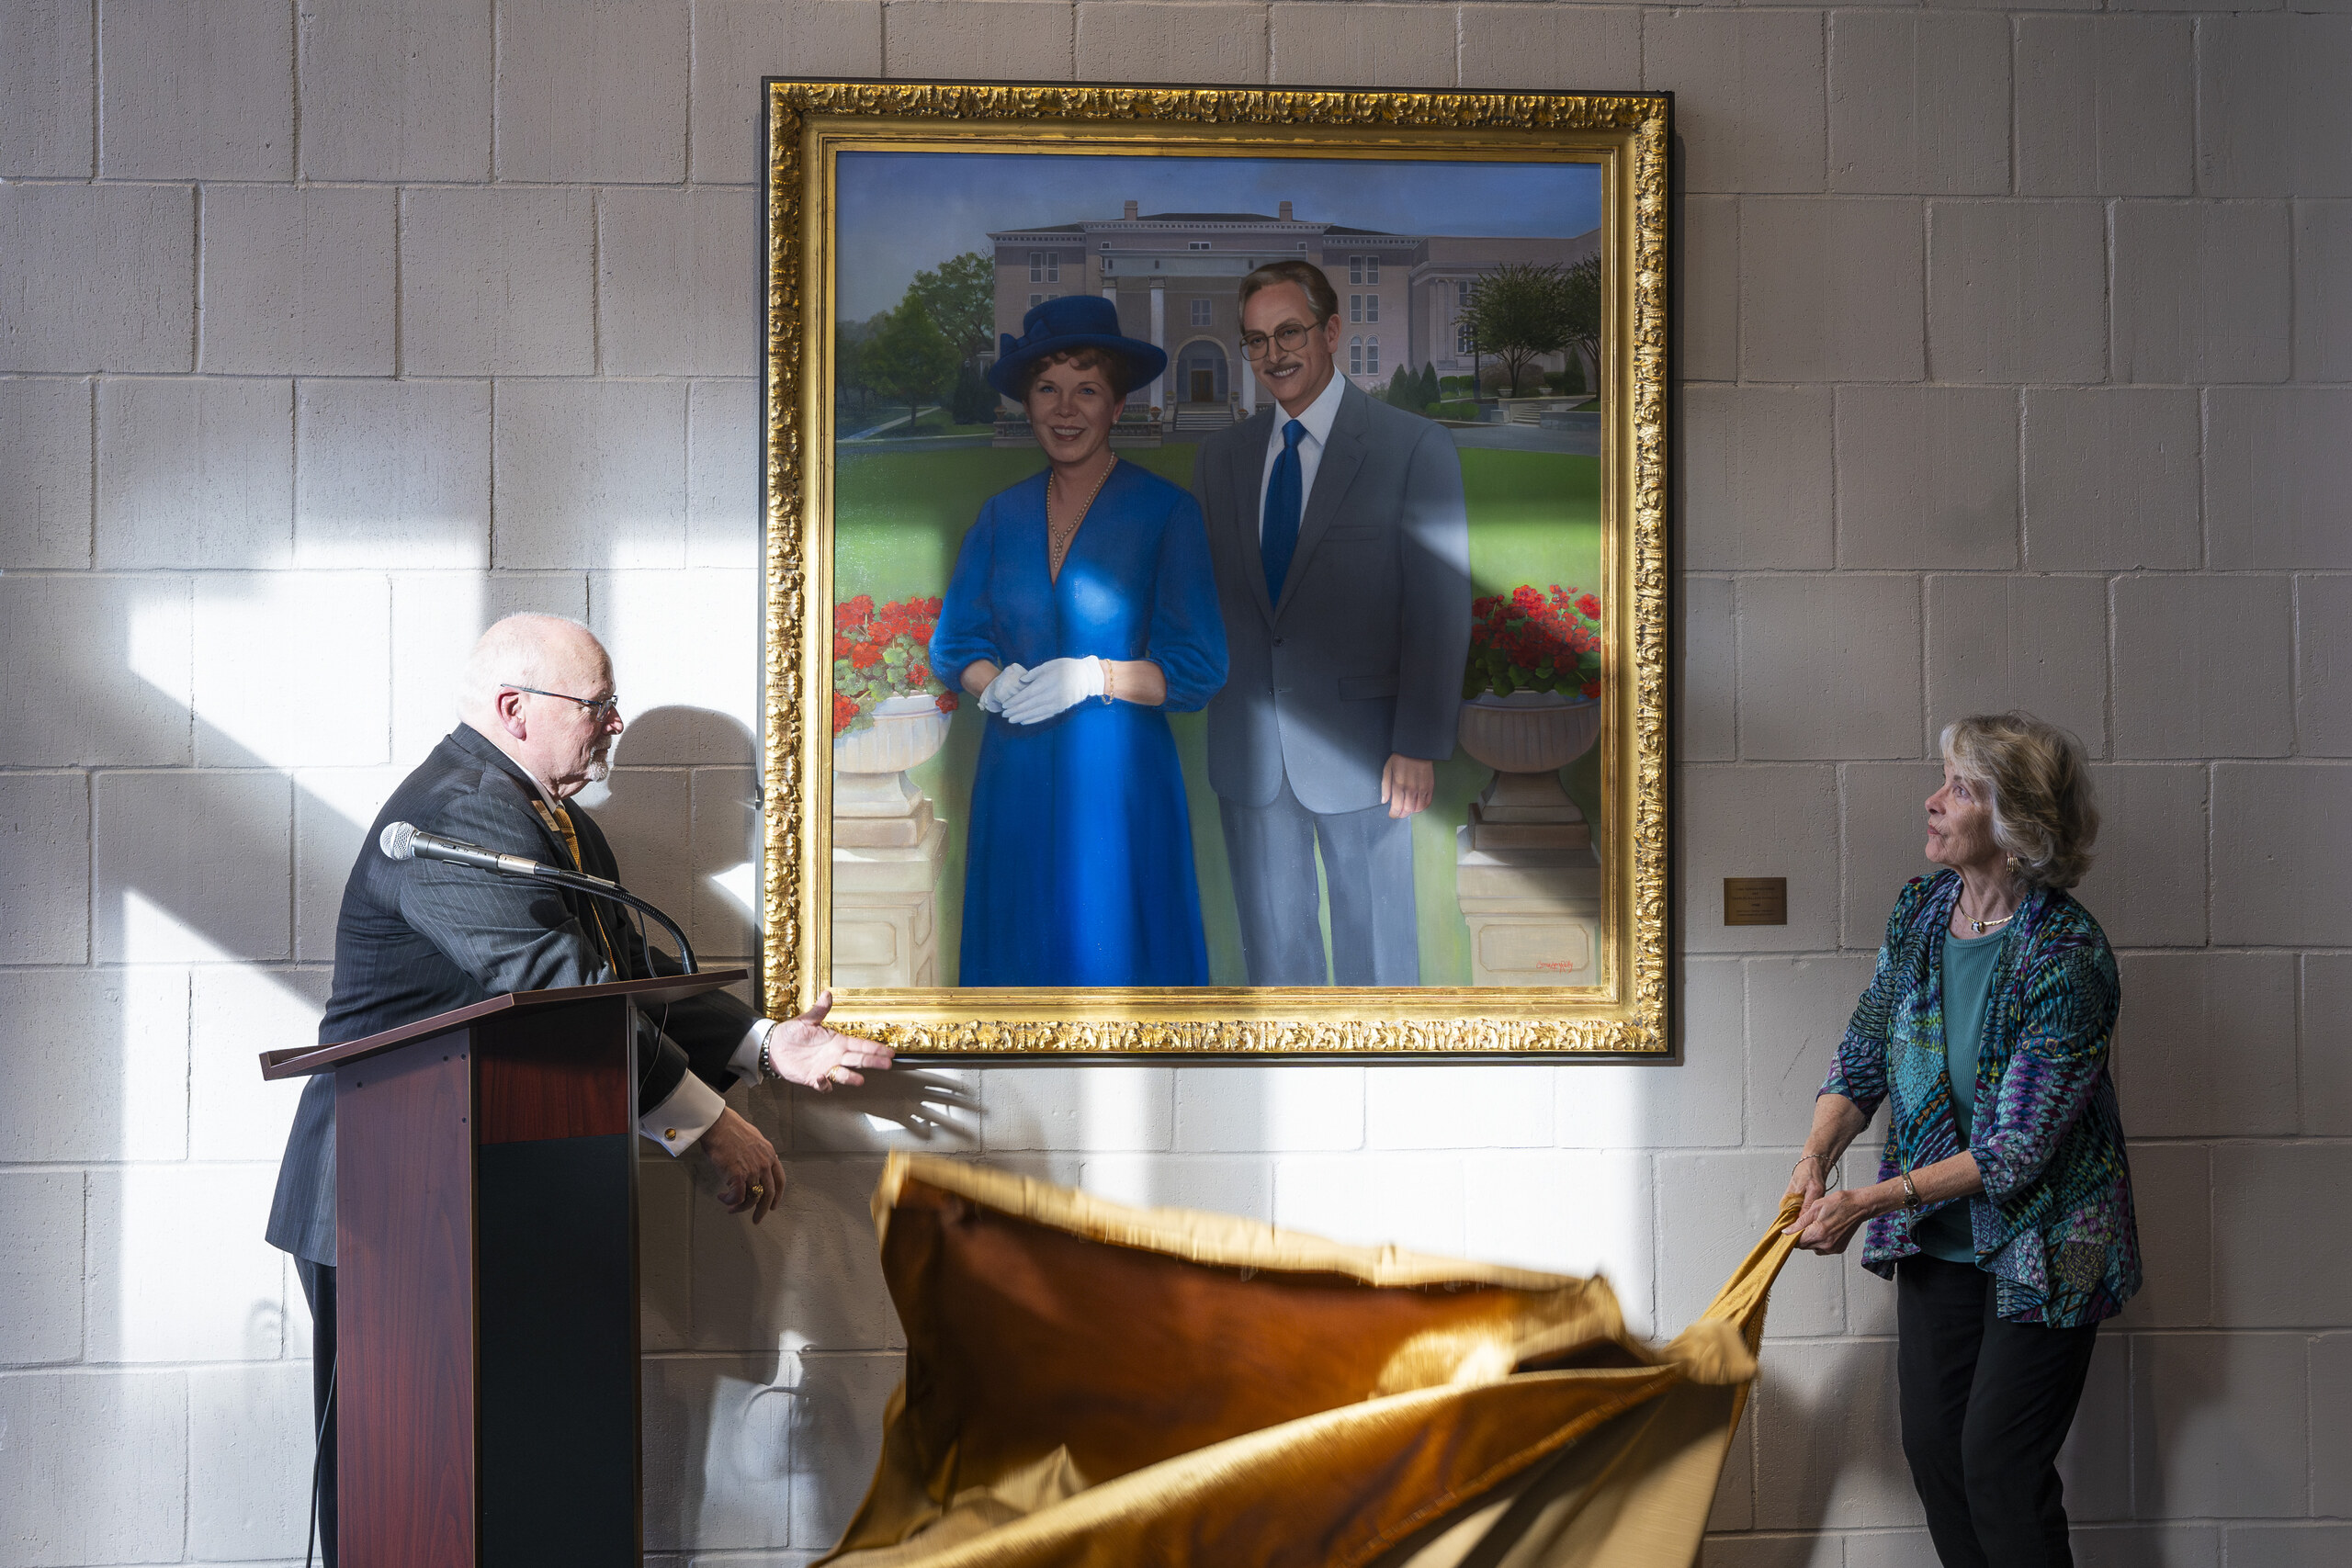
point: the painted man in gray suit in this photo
(420, 937)
(1342, 555)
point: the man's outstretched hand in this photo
(803, 1050)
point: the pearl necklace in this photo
(1058, 538)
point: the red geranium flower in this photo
(886, 651)
(1534, 638)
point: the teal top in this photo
(2054, 1226)
(1968, 969)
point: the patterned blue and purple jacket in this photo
(2054, 1225)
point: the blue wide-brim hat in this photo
(1060, 326)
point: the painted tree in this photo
(850, 381)
(974, 400)
(960, 299)
(1519, 313)
(1582, 298)
(908, 358)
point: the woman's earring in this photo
(2009, 864)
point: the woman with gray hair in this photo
(2003, 1208)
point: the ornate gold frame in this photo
(808, 124)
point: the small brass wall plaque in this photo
(1755, 900)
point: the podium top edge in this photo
(304, 1060)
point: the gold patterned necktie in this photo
(559, 821)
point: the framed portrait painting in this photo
(1215, 576)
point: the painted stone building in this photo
(1173, 274)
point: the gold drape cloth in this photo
(1094, 1386)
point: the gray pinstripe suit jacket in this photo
(420, 937)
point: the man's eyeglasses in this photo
(606, 709)
(1290, 334)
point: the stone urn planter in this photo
(1527, 737)
(870, 763)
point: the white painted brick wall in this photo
(1944, 490)
(45, 472)
(201, 88)
(2017, 344)
(396, 89)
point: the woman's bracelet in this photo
(1110, 679)
(1910, 1193)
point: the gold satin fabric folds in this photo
(1092, 1386)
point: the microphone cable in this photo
(319, 1459)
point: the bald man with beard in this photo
(417, 938)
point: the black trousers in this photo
(1985, 1406)
(317, 1286)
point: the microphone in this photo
(404, 840)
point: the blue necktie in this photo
(1279, 540)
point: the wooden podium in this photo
(486, 1299)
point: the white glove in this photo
(1056, 684)
(1007, 681)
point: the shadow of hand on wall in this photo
(930, 1108)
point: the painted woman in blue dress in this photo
(1081, 613)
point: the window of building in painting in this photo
(1200, 312)
(1371, 356)
(1462, 338)
(1461, 296)
(1035, 301)
(1355, 356)
(1197, 244)
(1044, 267)
(1372, 307)
(1355, 307)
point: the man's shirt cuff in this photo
(745, 1063)
(682, 1118)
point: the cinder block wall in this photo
(2016, 346)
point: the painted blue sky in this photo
(903, 212)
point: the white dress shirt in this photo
(691, 1109)
(1318, 419)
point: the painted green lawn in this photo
(898, 517)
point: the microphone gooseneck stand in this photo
(615, 893)
(402, 841)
